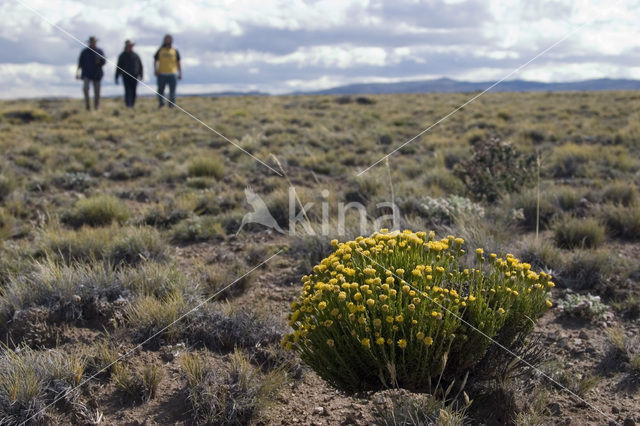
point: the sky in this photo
(285, 46)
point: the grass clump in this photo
(137, 386)
(7, 185)
(79, 245)
(232, 396)
(586, 269)
(99, 210)
(620, 193)
(399, 407)
(197, 229)
(626, 349)
(137, 245)
(398, 299)
(541, 254)
(29, 380)
(7, 223)
(149, 316)
(155, 279)
(206, 167)
(572, 232)
(113, 244)
(533, 212)
(223, 281)
(623, 222)
(70, 292)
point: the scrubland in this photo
(128, 296)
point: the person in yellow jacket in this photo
(167, 70)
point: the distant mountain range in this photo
(447, 85)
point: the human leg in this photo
(134, 88)
(96, 94)
(129, 87)
(172, 90)
(162, 82)
(85, 91)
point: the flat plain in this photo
(115, 225)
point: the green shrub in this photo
(494, 169)
(622, 222)
(399, 300)
(206, 167)
(571, 232)
(99, 210)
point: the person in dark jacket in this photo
(130, 67)
(89, 70)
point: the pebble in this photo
(319, 411)
(583, 335)
(615, 410)
(628, 422)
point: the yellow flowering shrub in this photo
(384, 310)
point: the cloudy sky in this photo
(288, 45)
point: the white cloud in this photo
(285, 45)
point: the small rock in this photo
(554, 409)
(615, 410)
(583, 335)
(316, 424)
(318, 410)
(628, 422)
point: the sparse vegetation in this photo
(232, 396)
(206, 167)
(572, 232)
(96, 211)
(113, 226)
(137, 386)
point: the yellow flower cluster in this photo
(397, 294)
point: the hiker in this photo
(89, 70)
(168, 70)
(130, 68)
